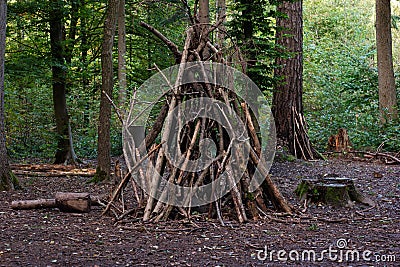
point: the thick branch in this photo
(171, 45)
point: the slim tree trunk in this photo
(84, 61)
(65, 150)
(74, 11)
(248, 31)
(5, 171)
(121, 54)
(221, 12)
(204, 19)
(104, 142)
(386, 80)
(287, 106)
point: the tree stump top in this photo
(335, 191)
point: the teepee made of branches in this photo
(208, 139)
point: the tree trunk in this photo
(386, 80)
(6, 182)
(104, 143)
(84, 61)
(74, 13)
(65, 150)
(121, 55)
(204, 19)
(221, 12)
(287, 105)
(248, 30)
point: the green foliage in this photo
(340, 78)
(29, 106)
(340, 75)
(313, 227)
(28, 109)
(252, 29)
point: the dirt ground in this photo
(321, 236)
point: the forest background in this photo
(340, 69)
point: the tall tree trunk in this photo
(248, 30)
(221, 12)
(287, 106)
(5, 171)
(121, 55)
(204, 19)
(386, 80)
(84, 61)
(104, 142)
(65, 150)
(74, 12)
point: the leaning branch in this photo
(378, 154)
(171, 45)
(127, 177)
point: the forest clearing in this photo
(53, 238)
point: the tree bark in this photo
(121, 55)
(221, 13)
(84, 61)
(387, 86)
(104, 143)
(248, 30)
(204, 19)
(287, 105)
(5, 171)
(65, 151)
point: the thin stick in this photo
(252, 130)
(165, 77)
(378, 155)
(126, 178)
(115, 107)
(219, 213)
(278, 199)
(168, 208)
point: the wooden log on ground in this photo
(33, 204)
(50, 170)
(73, 202)
(66, 202)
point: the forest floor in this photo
(336, 235)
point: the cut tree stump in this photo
(339, 142)
(335, 191)
(66, 202)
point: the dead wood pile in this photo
(154, 171)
